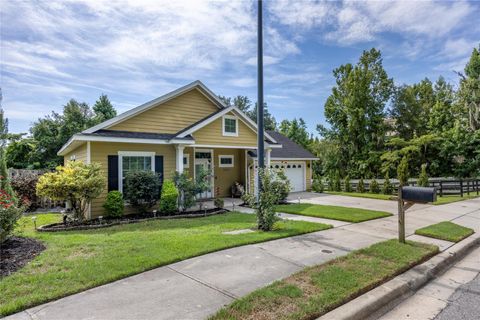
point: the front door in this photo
(203, 161)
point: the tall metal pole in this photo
(260, 125)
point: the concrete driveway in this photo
(345, 201)
(197, 287)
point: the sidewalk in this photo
(197, 287)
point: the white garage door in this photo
(295, 172)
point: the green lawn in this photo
(77, 260)
(378, 196)
(316, 290)
(332, 212)
(381, 196)
(445, 230)
(450, 199)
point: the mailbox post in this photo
(407, 197)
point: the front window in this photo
(225, 161)
(134, 161)
(230, 126)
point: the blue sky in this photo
(137, 50)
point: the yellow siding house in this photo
(186, 130)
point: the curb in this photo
(383, 298)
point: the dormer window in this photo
(230, 126)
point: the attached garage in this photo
(292, 158)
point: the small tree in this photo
(347, 186)
(361, 186)
(169, 198)
(387, 185)
(265, 204)
(186, 190)
(423, 179)
(374, 187)
(142, 189)
(25, 188)
(114, 205)
(76, 182)
(402, 172)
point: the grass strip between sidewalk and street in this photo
(74, 261)
(332, 212)
(317, 290)
(445, 230)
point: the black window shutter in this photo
(159, 167)
(112, 173)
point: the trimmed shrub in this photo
(402, 172)
(387, 186)
(374, 187)
(169, 198)
(347, 186)
(423, 179)
(281, 186)
(337, 184)
(25, 188)
(141, 189)
(361, 186)
(114, 205)
(9, 214)
(218, 203)
(317, 185)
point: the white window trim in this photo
(122, 154)
(230, 134)
(220, 157)
(186, 165)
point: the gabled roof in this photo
(214, 116)
(198, 85)
(289, 151)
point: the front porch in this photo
(227, 165)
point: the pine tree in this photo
(4, 180)
(423, 179)
(402, 172)
(103, 109)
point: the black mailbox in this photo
(419, 194)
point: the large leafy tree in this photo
(53, 131)
(355, 112)
(296, 130)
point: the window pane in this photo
(230, 125)
(226, 160)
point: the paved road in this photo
(456, 292)
(464, 304)
(197, 287)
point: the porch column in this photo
(268, 151)
(179, 158)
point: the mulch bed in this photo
(132, 218)
(16, 252)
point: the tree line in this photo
(372, 125)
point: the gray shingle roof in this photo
(289, 150)
(136, 135)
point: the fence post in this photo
(468, 187)
(477, 188)
(441, 189)
(461, 188)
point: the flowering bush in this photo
(9, 214)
